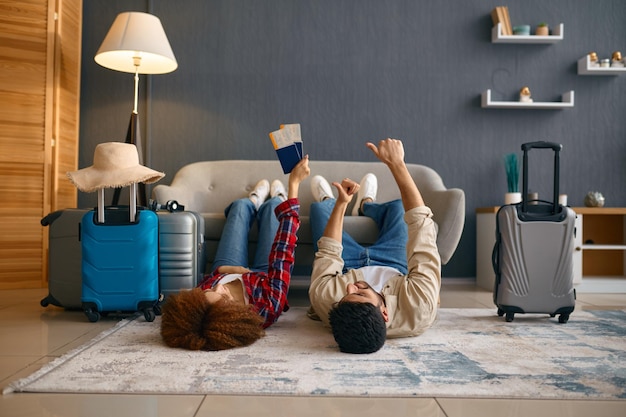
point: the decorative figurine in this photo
(593, 60)
(616, 60)
(594, 199)
(524, 95)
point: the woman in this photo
(235, 303)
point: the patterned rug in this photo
(467, 353)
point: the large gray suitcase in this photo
(182, 256)
(64, 258)
(533, 254)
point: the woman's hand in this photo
(297, 175)
(232, 269)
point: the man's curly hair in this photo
(189, 321)
(358, 327)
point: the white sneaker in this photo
(367, 190)
(260, 193)
(277, 189)
(320, 188)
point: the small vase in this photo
(521, 30)
(512, 198)
(542, 31)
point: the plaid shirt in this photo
(267, 291)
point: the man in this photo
(236, 301)
(389, 289)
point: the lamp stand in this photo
(133, 135)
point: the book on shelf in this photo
(494, 16)
(287, 143)
(507, 20)
(500, 15)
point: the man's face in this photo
(361, 292)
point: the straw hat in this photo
(115, 165)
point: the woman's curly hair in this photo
(189, 321)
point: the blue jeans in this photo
(240, 217)
(388, 250)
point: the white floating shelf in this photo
(498, 37)
(603, 247)
(585, 68)
(568, 101)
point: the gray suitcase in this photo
(182, 257)
(64, 258)
(533, 254)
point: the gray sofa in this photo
(208, 187)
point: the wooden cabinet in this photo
(39, 118)
(601, 242)
(600, 248)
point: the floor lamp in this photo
(136, 43)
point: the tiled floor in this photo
(31, 336)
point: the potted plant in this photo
(542, 29)
(512, 177)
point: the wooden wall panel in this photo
(67, 103)
(24, 60)
(39, 87)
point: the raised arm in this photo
(345, 190)
(391, 153)
(297, 175)
(282, 255)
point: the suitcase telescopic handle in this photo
(132, 207)
(556, 147)
(542, 145)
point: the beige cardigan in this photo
(411, 299)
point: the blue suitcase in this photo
(120, 260)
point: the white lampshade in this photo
(132, 35)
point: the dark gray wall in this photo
(356, 70)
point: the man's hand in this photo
(389, 151)
(346, 189)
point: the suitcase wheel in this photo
(500, 312)
(91, 311)
(148, 313)
(509, 316)
(93, 316)
(563, 318)
(44, 302)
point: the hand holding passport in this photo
(287, 142)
